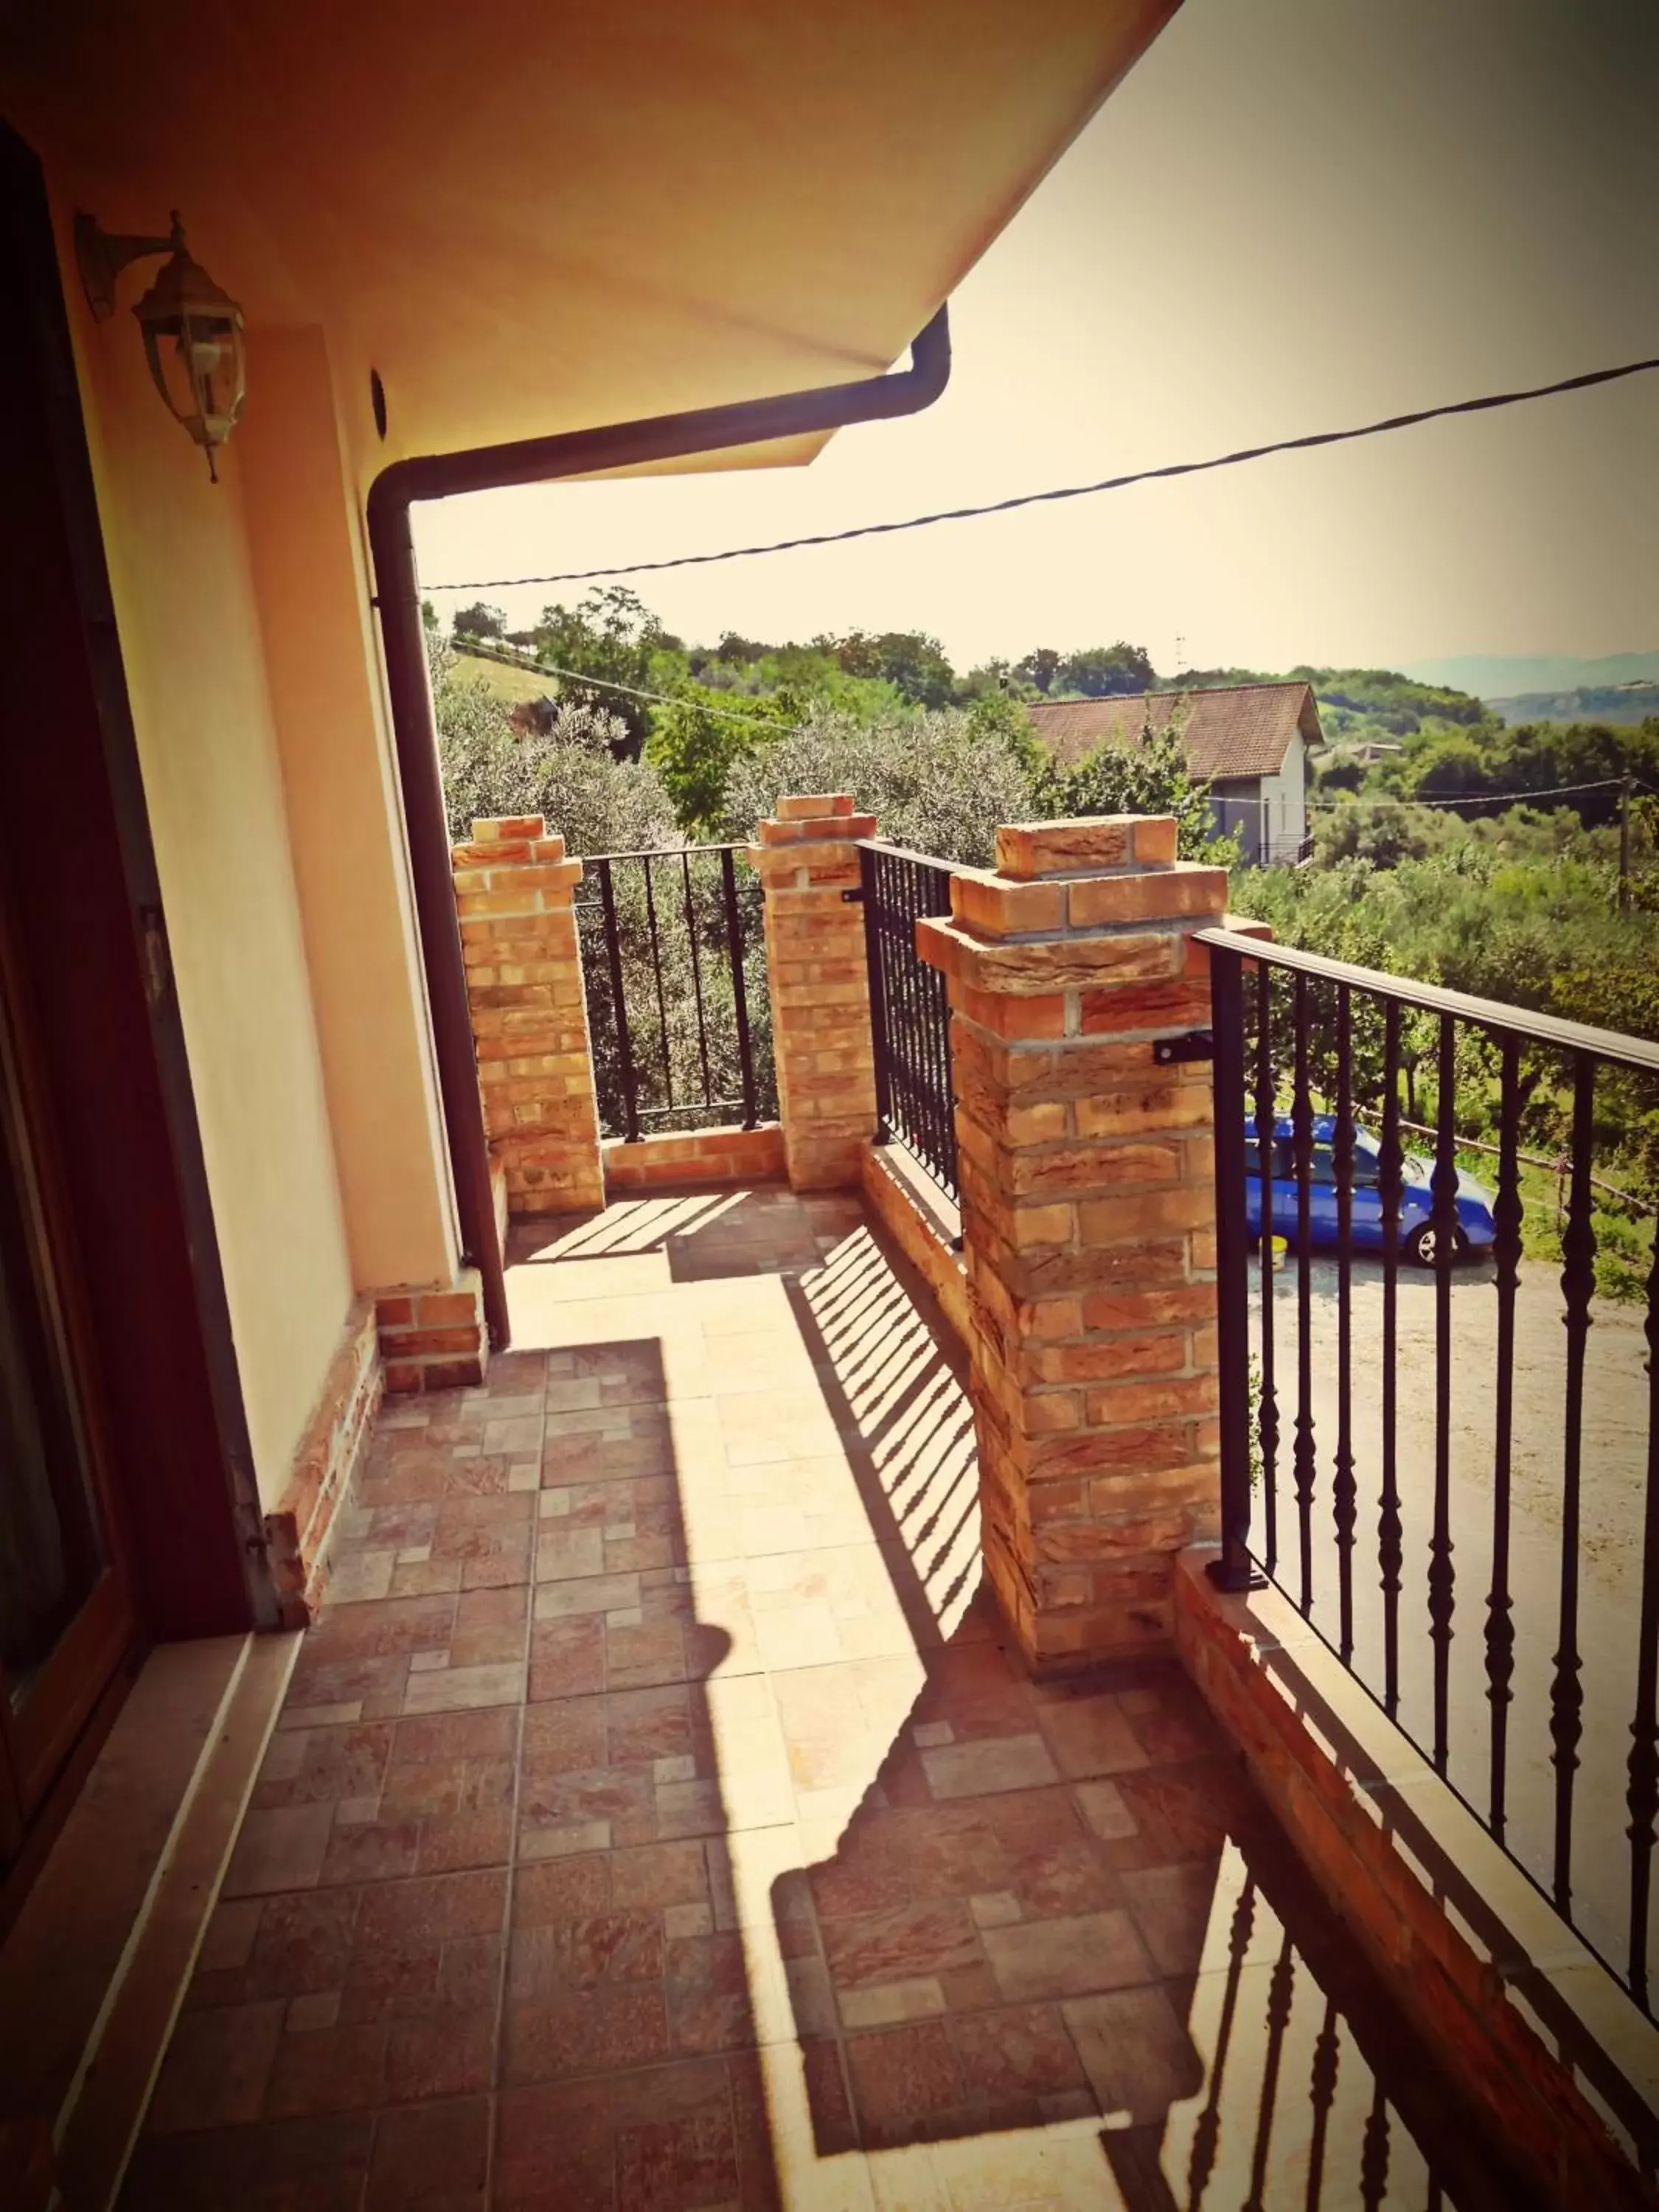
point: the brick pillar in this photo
(523, 977)
(819, 987)
(1088, 1223)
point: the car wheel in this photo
(1423, 1242)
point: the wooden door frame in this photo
(76, 848)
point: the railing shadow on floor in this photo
(940, 2053)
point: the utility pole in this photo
(1625, 783)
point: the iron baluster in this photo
(1577, 1288)
(1233, 1570)
(1302, 1126)
(656, 966)
(638, 1081)
(739, 985)
(1443, 1215)
(1454, 1214)
(619, 1002)
(1390, 1548)
(1642, 1795)
(1342, 1487)
(1506, 1255)
(1266, 1121)
(909, 1008)
(696, 982)
(870, 883)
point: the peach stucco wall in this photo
(194, 656)
(344, 823)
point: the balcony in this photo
(659, 1817)
(869, 1701)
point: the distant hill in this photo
(1498, 677)
(1614, 703)
(1356, 706)
(517, 685)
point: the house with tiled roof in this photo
(1249, 742)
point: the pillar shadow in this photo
(1060, 1915)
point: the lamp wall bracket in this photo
(103, 254)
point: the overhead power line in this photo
(1474, 799)
(632, 690)
(1305, 444)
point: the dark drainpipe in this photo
(486, 468)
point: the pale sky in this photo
(1293, 215)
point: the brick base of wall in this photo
(694, 1156)
(1536, 2031)
(432, 1335)
(920, 1231)
(297, 1532)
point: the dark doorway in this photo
(128, 1509)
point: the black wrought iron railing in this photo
(909, 1013)
(1438, 1438)
(674, 962)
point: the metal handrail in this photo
(909, 1009)
(1293, 1433)
(1610, 1045)
(906, 852)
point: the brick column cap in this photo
(815, 828)
(815, 806)
(1029, 850)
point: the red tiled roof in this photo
(1233, 730)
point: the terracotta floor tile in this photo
(430, 2155)
(282, 1849)
(1136, 2050)
(372, 1850)
(451, 2056)
(687, 1813)
(330, 2070)
(300, 1944)
(290, 2166)
(901, 1944)
(586, 1953)
(1172, 1906)
(989, 1766)
(449, 1689)
(1016, 2054)
(555, 2148)
(903, 2078)
(217, 2065)
(598, 2030)
(1067, 1957)
(660, 1874)
(679, 2150)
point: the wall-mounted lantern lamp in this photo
(192, 329)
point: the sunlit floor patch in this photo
(656, 1822)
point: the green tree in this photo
(479, 620)
(911, 661)
(935, 781)
(695, 742)
(612, 637)
(1104, 670)
(1039, 668)
(569, 772)
(1148, 777)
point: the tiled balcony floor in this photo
(654, 1820)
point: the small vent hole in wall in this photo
(376, 399)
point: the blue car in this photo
(1475, 1226)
